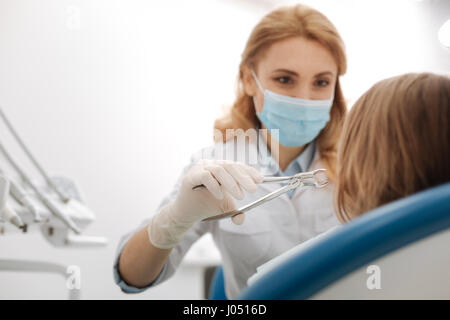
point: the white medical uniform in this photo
(268, 230)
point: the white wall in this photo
(120, 101)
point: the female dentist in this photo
(288, 80)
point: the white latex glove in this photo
(222, 180)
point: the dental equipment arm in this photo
(63, 197)
(20, 196)
(5, 211)
(55, 208)
(45, 200)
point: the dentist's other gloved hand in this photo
(223, 179)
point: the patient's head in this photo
(395, 142)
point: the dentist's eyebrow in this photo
(324, 73)
(287, 71)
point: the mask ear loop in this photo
(254, 102)
(259, 86)
(257, 81)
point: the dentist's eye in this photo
(322, 83)
(284, 80)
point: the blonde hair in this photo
(286, 22)
(395, 142)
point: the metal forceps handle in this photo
(311, 178)
(295, 181)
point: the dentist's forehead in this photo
(299, 55)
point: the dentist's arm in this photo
(141, 262)
(145, 253)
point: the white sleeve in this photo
(178, 252)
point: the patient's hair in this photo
(395, 142)
(286, 22)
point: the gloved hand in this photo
(222, 180)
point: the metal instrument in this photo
(316, 178)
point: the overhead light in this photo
(444, 34)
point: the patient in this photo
(395, 142)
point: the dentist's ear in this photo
(249, 83)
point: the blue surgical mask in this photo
(299, 120)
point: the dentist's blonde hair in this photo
(395, 142)
(287, 22)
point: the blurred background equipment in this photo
(55, 209)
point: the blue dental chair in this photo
(407, 241)
(217, 289)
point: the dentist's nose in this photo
(303, 93)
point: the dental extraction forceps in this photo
(316, 178)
